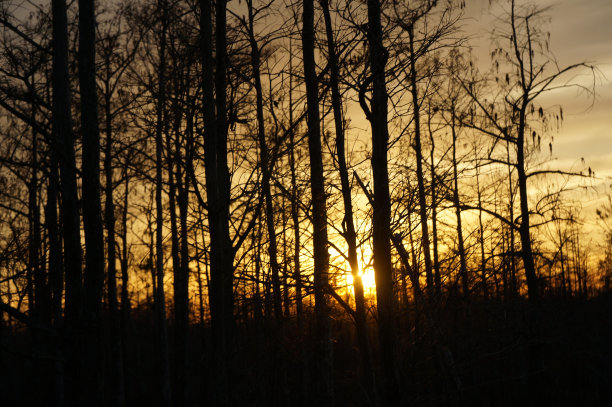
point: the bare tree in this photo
(160, 296)
(218, 189)
(512, 115)
(381, 218)
(350, 234)
(319, 210)
(64, 144)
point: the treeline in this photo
(193, 194)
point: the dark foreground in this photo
(484, 356)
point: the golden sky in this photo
(581, 31)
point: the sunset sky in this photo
(580, 32)
(305, 203)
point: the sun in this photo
(368, 279)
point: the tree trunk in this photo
(181, 273)
(533, 292)
(381, 222)
(55, 267)
(264, 163)
(160, 299)
(125, 298)
(295, 211)
(218, 194)
(434, 217)
(511, 241)
(483, 260)
(92, 209)
(416, 105)
(55, 275)
(179, 283)
(319, 212)
(350, 235)
(457, 204)
(63, 143)
(117, 382)
(41, 305)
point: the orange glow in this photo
(368, 279)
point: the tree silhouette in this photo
(308, 203)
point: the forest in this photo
(295, 203)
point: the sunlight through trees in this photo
(266, 202)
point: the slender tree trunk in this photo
(483, 260)
(457, 204)
(350, 235)
(38, 299)
(416, 103)
(534, 315)
(63, 143)
(179, 283)
(533, 292)
(92, 209)
(199, 275)
(264, 162)
(504, 261)
(434, 216)
(534, 352)
(179, 334)
(511, 242)
(181, 280)
(55, 267)
(41, 305)
(151, 259)
(218, 194)
(319, 212)
(295, 212)
(562, 260)
(117, 381)
(301, 394)
(256, 241)
(526, 75)
(415, 263)
(125, 297)
(574, 262)
(285, 273)
(55, 275)
(381, 222)
(579, 284)
(494, 273)
(160, 296)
